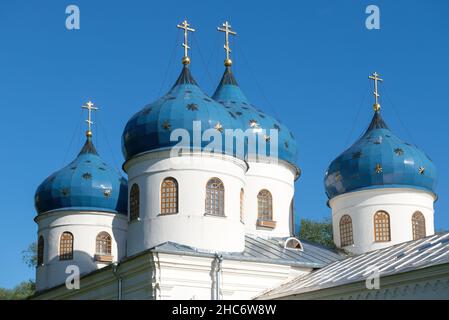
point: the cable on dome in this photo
(213, 53)
(170, 62)
(202, 59)
(76, 131)
(398, 116)
(96, 129)
(348, 139)
(259, 87)
(103, 131)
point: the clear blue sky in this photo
(305, 62)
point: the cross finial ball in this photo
(376, 78)
(90, 107)
(186, 27)
(227, 30)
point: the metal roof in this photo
(271, 250)
(403, 257)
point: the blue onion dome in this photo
(379, 159)
(150, 128)
(86, 184)
(229, 94)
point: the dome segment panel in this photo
(380, 159)
(229, 94)
(150, 129)
(87, 183)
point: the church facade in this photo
(206, 210)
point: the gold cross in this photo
(185, 25)
(375, 77)
(227, 30)
(89, 106)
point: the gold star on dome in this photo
(219, 127)
(253, 124)
(267, 137)
(87, 176)
(337, 177)
(166, 125)
(378, 168)
(192, 107)
(65, 192)
(421, 170)
(399, 151)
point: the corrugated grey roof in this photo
(265, 250)
(396, 259)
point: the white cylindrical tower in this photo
(381, 217)
(81, 219)
(265, 181)
(88, 240)
(198, 182)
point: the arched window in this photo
(103, 244)
(346, 236)
(265, 205)
(169, 196)
(215, 197)
(242, 198)
(382, 227)
(66, 246)
(40, 251)
(134, 202)
(418, 225)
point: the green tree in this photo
(19, 292)
(317, 231)
(26, 288)
(29, 256)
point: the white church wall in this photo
(190, 226)
(84, 226)
(172, 276)
(279, 180)
(189, 277)
(399, 203)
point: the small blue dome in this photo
(229, 94)
(87, 183)
(150, 128)
(379, 159)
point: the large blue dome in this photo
(150, 128)
(229, 94)
(379, 159)
(86, 184)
